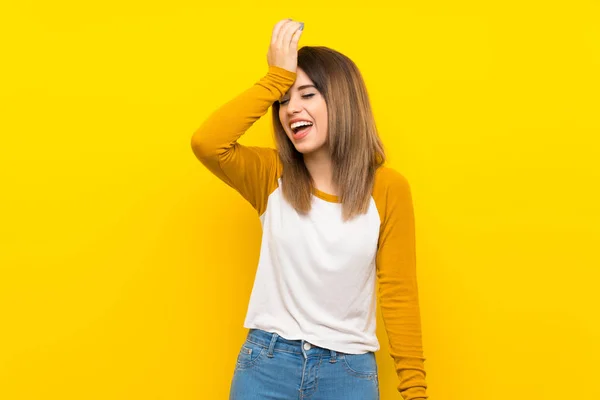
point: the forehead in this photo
(301, 80)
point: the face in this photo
(303, 102)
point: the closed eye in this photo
(306, 96)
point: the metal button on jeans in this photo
(307, 346)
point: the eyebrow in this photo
(303, 87)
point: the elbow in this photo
(203, 149)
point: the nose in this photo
(292, 107)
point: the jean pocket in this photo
(361, 365)
(249, 355)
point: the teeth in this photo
(299, 124)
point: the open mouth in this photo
(302, 130)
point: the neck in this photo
(320, 168)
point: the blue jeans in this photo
(270, 367)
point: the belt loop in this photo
(333, 358)
(272, 345)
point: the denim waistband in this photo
(273, 341)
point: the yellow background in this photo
(126, 267)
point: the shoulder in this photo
(388, 182)
(392, 194)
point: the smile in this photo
(297, 135)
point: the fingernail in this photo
(301, 26)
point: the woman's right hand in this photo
(283, 51)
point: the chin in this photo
(302, 149)
(306, 149)
(306, 145)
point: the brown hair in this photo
(355, 147)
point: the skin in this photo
(305, 103)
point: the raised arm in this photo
(248, 169)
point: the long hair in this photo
(355, 147)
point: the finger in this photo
(277, 29)
(289, 38)
(281, 34)
(296, 39)
(286, 35)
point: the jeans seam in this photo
(368, 375)
(251, 363)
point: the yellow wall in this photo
(126, 267)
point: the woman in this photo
(333, 218)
